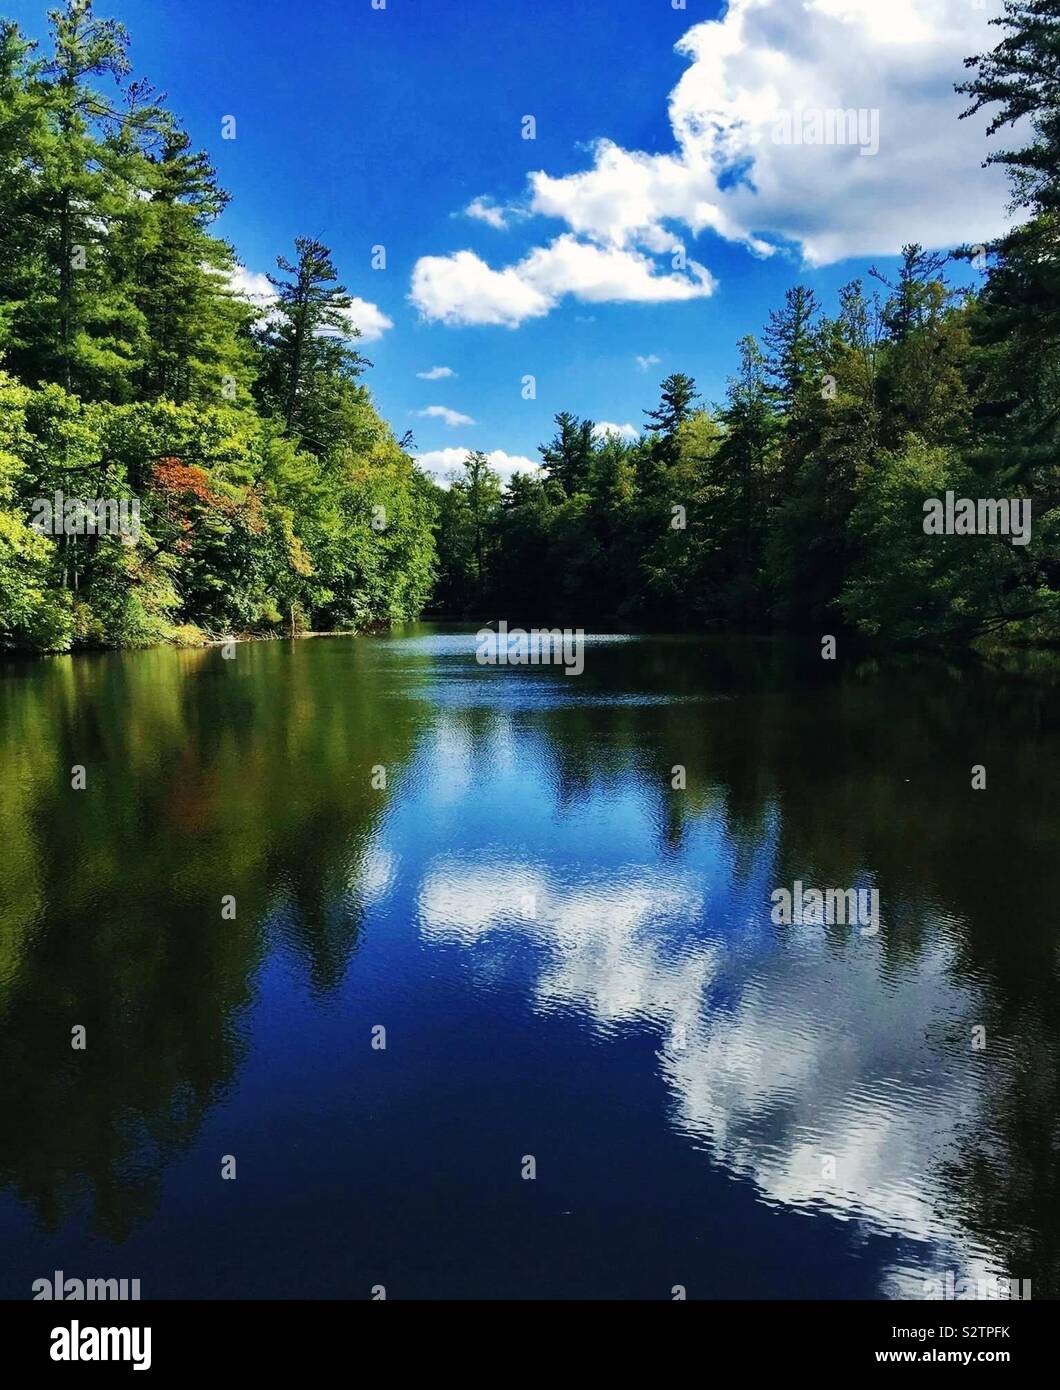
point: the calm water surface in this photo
(571, 960)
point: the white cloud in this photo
(463, 289)
(258, 289)
(485, 210)
(919, 177)
(442, 412)
(436, 374)
(765, 58)
(604, 429)
(649, 361)
(252, 285)
(369, 318)
(598, 274)
(442, 463)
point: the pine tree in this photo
(677, 402)
(791, 357)
(1021, 77)
(739, 498)
(23, 132)
(307, 358)
(80, 326)
(921, 389)
(197, 330)
(481, 487)
(568, 457)
(1016, 323)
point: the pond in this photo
(357, 965)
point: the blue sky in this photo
(369, 127)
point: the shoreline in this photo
(984, 652)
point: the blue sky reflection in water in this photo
(571, 959)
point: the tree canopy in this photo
(271, 495)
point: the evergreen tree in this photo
(1016, 323)
(743, 479)
(568, 457)
(79, 325)
(1021, 78)
(309, 365)
(677, 402)
(469, 515)
(791, 357)
(197, 331)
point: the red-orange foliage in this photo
(180, 483)
(179, 479)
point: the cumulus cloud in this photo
(256, 287)
(443, 464)
(604, 429)
(608, 274)
(766, 63)
(907, 169)
(463, 289)
(436, 374)
(442, 412)
(649, 361)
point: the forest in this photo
(271, 496)
(272, 499)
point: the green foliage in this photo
(800, 500)
(309, 368)
(1018, 81)
(271, 495)
(469, 522)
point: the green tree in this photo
(568, 457)
(1020, 77)
(676, 404)
(77, 322)
(309, 366)
(921, 383)
(197, 329)
(738, 497)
